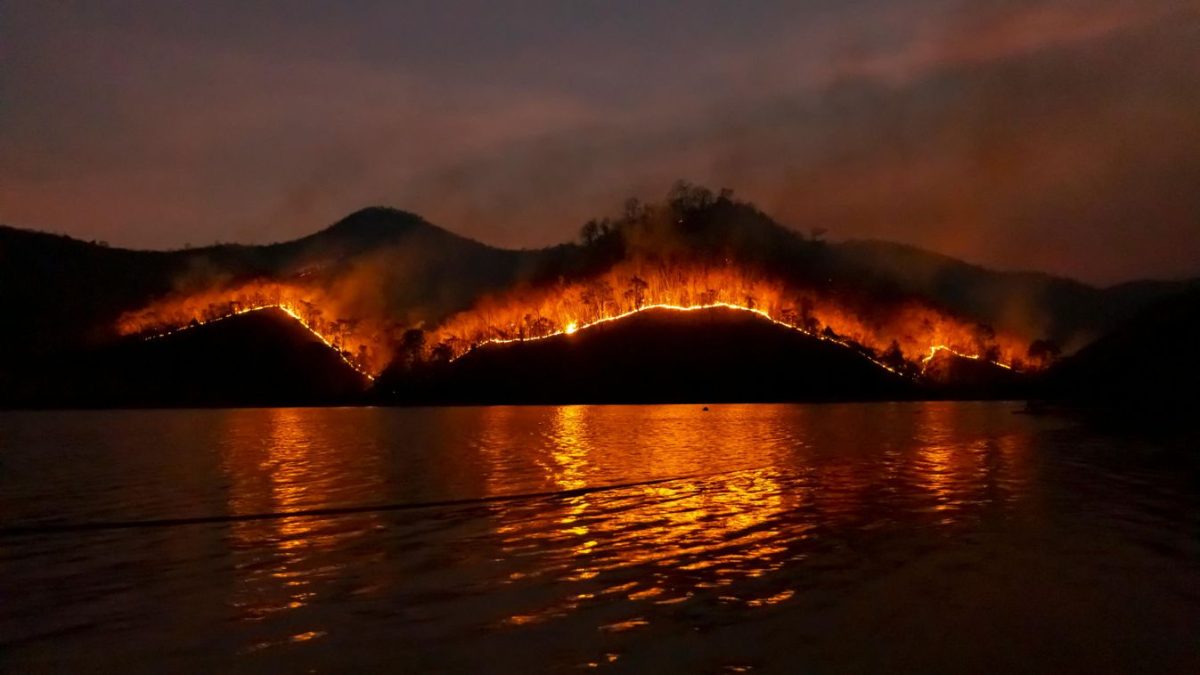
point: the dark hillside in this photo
(395, 271)
(655, 356)
(261, 358)
(1066, 311)
(1150, 361)
(61, 293)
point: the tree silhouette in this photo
(541, 327)
(442, 353)
(597, 296)
(590, 232)
(685, 198)
(1044, 352)
(412, 346)
(985, 337)
(808, 322)
(637, 291)
(893, 357)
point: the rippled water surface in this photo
(929, 537)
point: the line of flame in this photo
(286, 309)
(933, 351)
(574, 327)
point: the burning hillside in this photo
(362, 342)
(655, 355)
(898, 337)
(697, 250)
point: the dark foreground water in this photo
(937, 537)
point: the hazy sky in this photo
(1059, 135)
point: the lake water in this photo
(924, 537)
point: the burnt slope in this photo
(261, 358)
(658, 355)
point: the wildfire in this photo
(937, 349)
(902, 337)
(896, 337)
(290, 311)
(306, 306)
(573, 327)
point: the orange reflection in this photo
(274, 464)
(753, 488)
(719, 507)
(938, 454)
(702, 531)
(958, 468)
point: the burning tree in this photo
(637, 291)
(1043, 352)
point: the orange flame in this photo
(918, 330)
(875, 329)
(362, 344)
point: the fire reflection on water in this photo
(714, 530)
(701, 531)
(275, 464)
(992, 464)
(286, 467)
(819, 529)
(702, 507)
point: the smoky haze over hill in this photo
(63, 291)
(385, 273)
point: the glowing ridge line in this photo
(286, 310)
(933, 351)
(573, 328)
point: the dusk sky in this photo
(1058, 135)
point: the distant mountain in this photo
(260, 358)
(659, 355)
(62, 293)
(1069, 312)
(63, 296)
(418, 272)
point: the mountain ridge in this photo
(657, 355)
(65, 293)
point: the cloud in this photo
(1066, 157)
(1054, 134)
